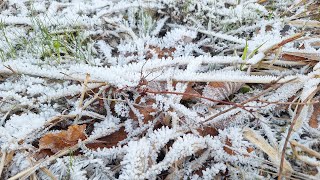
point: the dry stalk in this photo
(295, 119)
(2, 163)
(85, 83)
(48, 160)
(305, 149)
(260, 142)
(48, 173)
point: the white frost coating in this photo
(310, 86)
(19, 126)
(256, 58)
(210, 173)
(135, 162)
(48, 47)
(181, 148)
(317, 66)
(104, 128)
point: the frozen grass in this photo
(164, 89)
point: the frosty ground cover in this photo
(165, 89)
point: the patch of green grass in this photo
(8, 50)
(63, 44)
(245, 55)
(46, 42)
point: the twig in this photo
(96, 96)
(287, 103)
(83, 91)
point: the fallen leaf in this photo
(110, 140)
(66, 138)
(208, 130)
(146, 111)
(219, 91)
(162, 53)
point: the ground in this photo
(167, 89)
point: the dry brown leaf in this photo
(162, 53)
(208, 130)
(227, 149)
(110, 140)
(145, 111)
(219, 91)
(66, 138)
(190, 90)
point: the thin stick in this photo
(96, 96)
(194, 95)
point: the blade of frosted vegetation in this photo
(245, 51)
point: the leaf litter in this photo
(159, 89)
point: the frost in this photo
(164, 88)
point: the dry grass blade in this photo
(85, 85)
(260, 142)
(48, 173)
(2, 163)
(305, 23)
(285, 41)
(39, 163)
(291, 128)
(305, 149)
(297, 55)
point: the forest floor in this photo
(167, 89)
